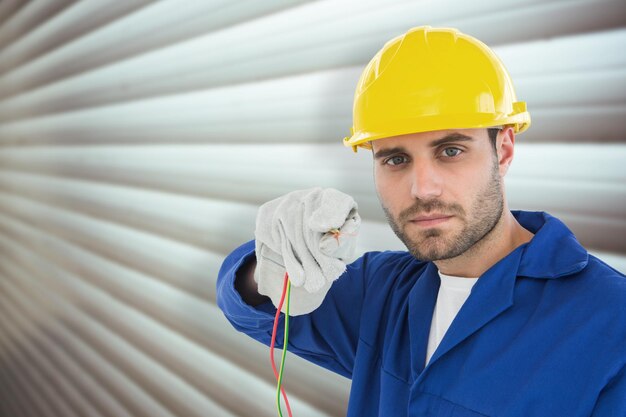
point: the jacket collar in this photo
(553, 252)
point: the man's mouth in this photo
(430, 219)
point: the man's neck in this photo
(507, 235)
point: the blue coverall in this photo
(543, 332)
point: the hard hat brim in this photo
(520, 122)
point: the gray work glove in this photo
(312, 235)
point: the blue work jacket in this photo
(543, 332)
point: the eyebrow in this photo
(453, 137)
(389, 151)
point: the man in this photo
(491, 312)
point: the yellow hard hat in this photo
(433, 79)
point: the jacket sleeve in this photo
(327, 336)
(612, 399)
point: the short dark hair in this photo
(493, 134)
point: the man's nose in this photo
(426, 182)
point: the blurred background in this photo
(138, 138)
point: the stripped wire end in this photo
(336, 233)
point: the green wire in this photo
(285, 342)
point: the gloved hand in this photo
(312, 235)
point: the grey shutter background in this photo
(138, 138)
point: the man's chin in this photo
(427, 253)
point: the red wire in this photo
(280, 306)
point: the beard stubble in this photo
(432, 244)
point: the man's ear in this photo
(505, 144)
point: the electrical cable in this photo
(279, 374)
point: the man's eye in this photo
(395, 160)
(452, 152)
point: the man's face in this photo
(441, 191)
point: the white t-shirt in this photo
(452, 294)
